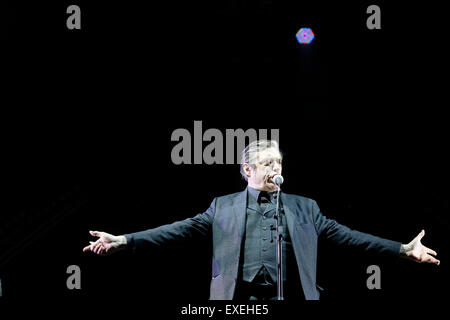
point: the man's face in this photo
(268, 164)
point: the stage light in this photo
(305, 36)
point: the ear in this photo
(247, 169)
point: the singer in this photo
(242, 227)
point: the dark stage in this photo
(88, 117)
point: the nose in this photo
(276, 167)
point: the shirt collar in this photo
(255, 193)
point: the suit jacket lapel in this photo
(290, 216)
(302, 243)
(239, 211)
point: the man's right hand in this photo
(106, 243)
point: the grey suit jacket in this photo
(225, 221)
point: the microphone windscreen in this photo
(278, 179)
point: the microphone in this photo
(278, 180)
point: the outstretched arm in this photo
(342, 235)
(177, 231)
(416, 251)
(200, 225)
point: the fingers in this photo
(96, 247)
(426, 257)
(96, 233)
(430, 259)
(89, 247)
(432, 252)
(421, 234)
(102, 251)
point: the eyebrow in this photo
(269, 158)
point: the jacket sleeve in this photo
(342, 235)
(200, 225)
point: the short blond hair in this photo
(250, 152)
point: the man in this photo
(241, 226)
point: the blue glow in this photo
(305, 36)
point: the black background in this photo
(88, 115)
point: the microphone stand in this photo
(280, 293)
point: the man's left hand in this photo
(416, 251)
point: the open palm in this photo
(416, 251)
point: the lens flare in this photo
(305, 36)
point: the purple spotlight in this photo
(305, 36)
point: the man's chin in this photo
(270, 187)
